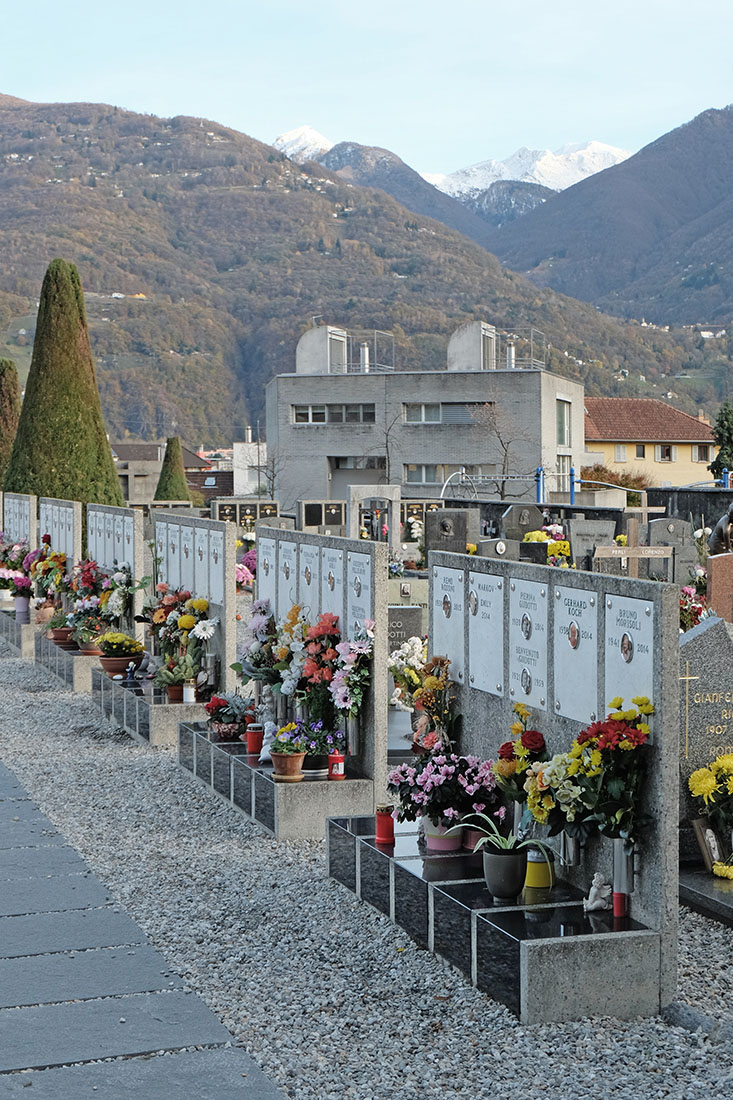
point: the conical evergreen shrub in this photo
(172, 481)
(61, 447)
(9, 411)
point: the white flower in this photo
(205, 629)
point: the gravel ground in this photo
(333, 1001)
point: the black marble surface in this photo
(374, 877)
(341, 855)
(707, 894)
(203, 759)
(553, 923)
(444, 866)
(411, 904)
(143, 718)
(221, 771)
(497, 964)
(241, 784)
(185, 747)
(475, 895)
(452, 931)
(264, 797)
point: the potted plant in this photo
(505, 857)
(288, 753)
(172, 674)
(434, 790)
(227, 715)
(319, 743)
(59, 629)
(119, 651)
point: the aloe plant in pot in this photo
(505, 857)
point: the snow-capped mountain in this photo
(303, 143)
(557, 170)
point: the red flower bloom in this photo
(506, 751)
(533, 741)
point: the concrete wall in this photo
(525, 402)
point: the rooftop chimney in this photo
(364, 357)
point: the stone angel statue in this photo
(599, 895)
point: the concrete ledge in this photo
(70, 666)
(610, 975)
(142, 710)
(20, 636)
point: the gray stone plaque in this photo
(575, 651)
(528, 643)
(287, 577)
(332, 581)
(404, 621)
(486, 632)
(584, 535)
(706, 695)
(161, 539)
(309, 585)
(216, 566)
(267, 571)
(109, 539)
(629, 648)
(448, 625)
(187, 559)
(358, 592)
(201, 559)
(173, 555)
(518, 519)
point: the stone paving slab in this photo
(228, 1074)
(21, 809)
(40, 933)
(39, 862)
(32, 1038)
(28, 834)
(83, 975)
(51, 894)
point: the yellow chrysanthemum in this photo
(703, 784)
(516, 728)
(431, 683)
(723, 870)
(640, 700)
(522, 710)
(722, 763)
(186, 622)
(200, 604)
(505, 768)
(616, 703)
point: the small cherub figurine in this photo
(599, 894)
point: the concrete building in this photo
(640, 435)
(346, 417)
(138, 467)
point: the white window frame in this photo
(567, 407)
(696, 448)
(658, 452)
(422, 406)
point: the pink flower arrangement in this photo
(353, 670)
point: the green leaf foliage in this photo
(723, 436)
(172, 481)
(9, 411)
(61, 447)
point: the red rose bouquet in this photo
(515, 757)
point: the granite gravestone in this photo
(506, 549)
(403, 621)
(720, 585)
(518, 519)
(706, 708)
(676, 533)
(584, 535)
(451, 529)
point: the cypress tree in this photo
(723, 436)
(172, 481)
(9, 411)
(61, 448)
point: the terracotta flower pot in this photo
(89, 649)
(287, 766)
(61, 635)
(117, 666)
(175, 693)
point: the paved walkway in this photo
(80, 982)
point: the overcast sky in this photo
(442, 84)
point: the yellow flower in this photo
(574, 768)
(186, 622)
(640, 700)
(522, 710)
(281, 652)
(625, 744)
(616, 703)
(431, 683)
(723, 870)
(505, 768)
(516, 728)
(722, 763)
(199, 604)
(703, 784)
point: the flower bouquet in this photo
(319, 669)
(227, 714)
(712, 790)
(289, 650)
(353, 670)
(693, 608)
(515, 757)
(258, 658)
(405, 664)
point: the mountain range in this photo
(205, 255)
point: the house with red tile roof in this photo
(643, 435)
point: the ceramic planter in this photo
(287, 766)
(315, 766)
(89, 649)
(436, 839)
(505, 870)
(224, 731)
(117, 666)
(175, 693)
(22, 609)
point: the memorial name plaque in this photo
(287, 578)
(358, 592)
(161, 537)
(187, 560)
(216, 566)
(332, 581)
(405, 621)
(310, 580)
(201, 559)
(109, 540)
(629, 648)
(174, 555)
(486, 632)
(448, 633)
(528, 643)
(266, 575)
(575, 654)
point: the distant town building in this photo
(646, 436)
(346, 416)
(138, 467)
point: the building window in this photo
(333, 414)
(563, 423)
(562, 466)
(356, 462)
(640, 450)
(422, 413)
(421, 474)
(700, 452)
(665, 452)
(619, 452)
